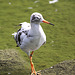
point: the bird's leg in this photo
(32, 65)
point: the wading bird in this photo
(31, 36)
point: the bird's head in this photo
(38, 18)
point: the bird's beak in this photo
(47, 22)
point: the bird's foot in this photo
(35, 73)
(38, 74)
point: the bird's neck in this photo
(35, 25)
(35, 28)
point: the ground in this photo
(12, 63)
(63, 68)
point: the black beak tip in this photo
(51, 24)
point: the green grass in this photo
(60, 43)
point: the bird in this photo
(31, 37)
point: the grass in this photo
(63, 68)
(60, 43)
(11, 62)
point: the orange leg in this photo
(32, 66)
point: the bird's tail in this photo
(14, 33)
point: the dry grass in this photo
(11, 62)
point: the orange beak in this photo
(47, 22)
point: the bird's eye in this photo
(33, 17)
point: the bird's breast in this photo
(30, 43)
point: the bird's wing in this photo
(22, 32)
(25, 26)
